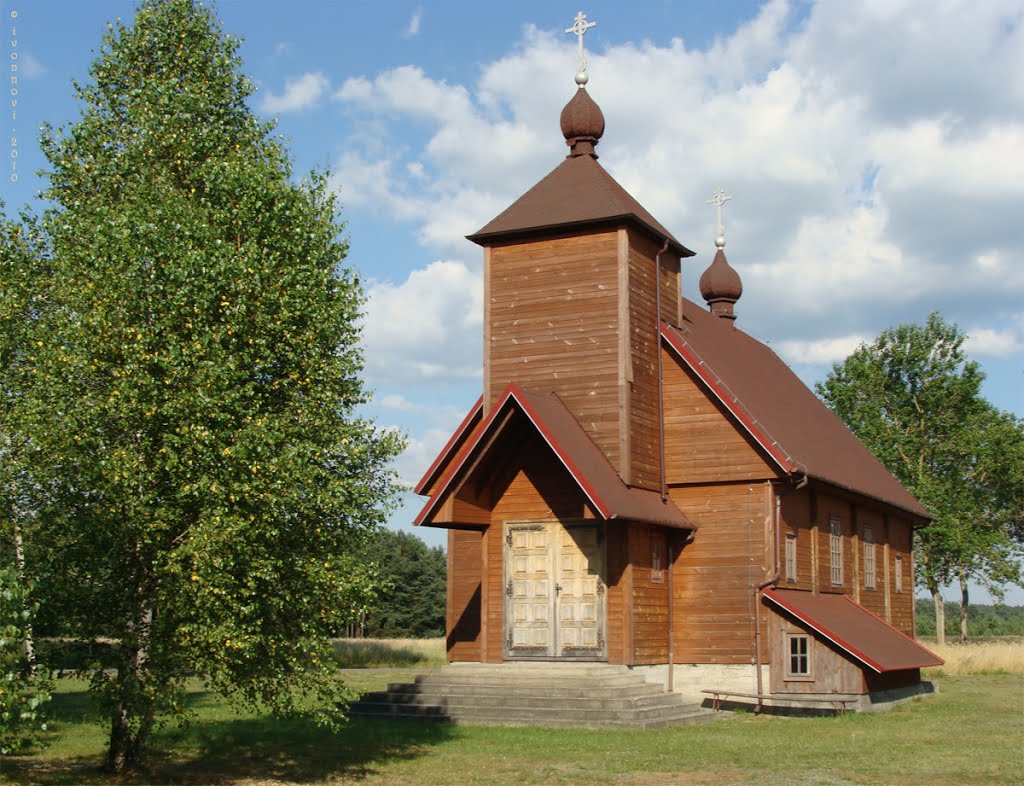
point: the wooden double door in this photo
(555, 590)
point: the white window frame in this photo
(899, 573)
(659, 548)
(798, 652)
(870, 577)
(791, 557)
(835, 550)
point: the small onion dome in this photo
(582, 124)
(720, 286)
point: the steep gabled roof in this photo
(855, 630)
(791, 424)
(608, 496)
(576, 193)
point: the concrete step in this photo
(653, 718)
(474, 698)
(535, 694)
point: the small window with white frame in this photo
(657, 558)
(798, 656)
(869, 558)
(899, 573)
(791, 557)
(835, 550)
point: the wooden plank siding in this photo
(554, 327)
(892, 539)
(830, 672)
(715, 576)
(465, 563)
(649, 601)
(702, 443)
(619, 580)
(643, 342)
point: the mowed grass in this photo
(972, 732)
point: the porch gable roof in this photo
(855, 630)
(586, 464)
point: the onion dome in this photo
(720, 286)
(582, 124)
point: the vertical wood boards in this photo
(649, 601)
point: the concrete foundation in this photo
(689, 679)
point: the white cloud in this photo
(871, 188)
(300, 93)
(988, 342)
(818, 351)
(414, 23)
(30, 66)
(426, 328)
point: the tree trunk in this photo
(963, 606)
(940, 616)
(133, 711)
(19, 562)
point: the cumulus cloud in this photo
(875, 152)
(818, 351)
(300, 93)
(1000, 343)
(427, 327)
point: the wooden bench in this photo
(841, 705)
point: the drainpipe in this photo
(657, 351)
(671, 619)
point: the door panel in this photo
(554, 590)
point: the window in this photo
(657, 558)
(791, 557)
(869, 558)
(798, 664)
(835, 550)
(899, 573)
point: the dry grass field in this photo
(991, 656)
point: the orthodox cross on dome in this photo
(719, 199)
(580, 26)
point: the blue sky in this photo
(875, 153)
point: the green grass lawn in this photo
(971, 733)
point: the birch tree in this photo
(191, 389)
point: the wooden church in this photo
(642, 483)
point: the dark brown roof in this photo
(609, 497)
(793, 426)
(576, 193)
(855, 630)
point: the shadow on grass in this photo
(218, 750)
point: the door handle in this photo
(558, 589)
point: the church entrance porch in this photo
(554, 590)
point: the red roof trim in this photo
(474, 416)
(838, 640)
(730, 402)
(513, 393)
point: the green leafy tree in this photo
(914, 398)
(412, 603)
(189, 393)
(24, 689)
